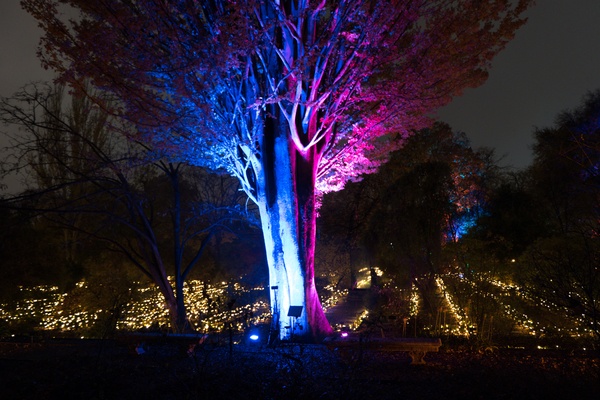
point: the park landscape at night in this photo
(250, 199)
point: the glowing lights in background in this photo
(207, 310)
(204, 302)
(330, 296)
(458, 313)
(512, 300)
(364, 282)
(414, 300)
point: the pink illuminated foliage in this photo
(223, 84)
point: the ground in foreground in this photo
(114, 370)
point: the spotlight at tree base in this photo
(254, 338)
(343, 332)
(257, 334)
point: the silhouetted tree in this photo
(160, 215)
(431, 194)
(563, 265)
(30, 254)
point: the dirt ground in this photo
(114, 370)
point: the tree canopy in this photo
(197, 76)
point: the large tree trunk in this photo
(286, 199)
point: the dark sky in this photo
(550, 65)
(19, 36)
(547, 68)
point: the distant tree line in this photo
(438, 206)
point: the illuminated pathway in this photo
(348, 311)
(457, 319)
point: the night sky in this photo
(547, 68)
(550, 65)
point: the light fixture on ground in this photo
(294, 312)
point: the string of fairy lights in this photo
(507, 293)
(458, 313)
(206, 305)
(208, 310)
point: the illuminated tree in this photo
(292, 97)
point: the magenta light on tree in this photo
(294, 98)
